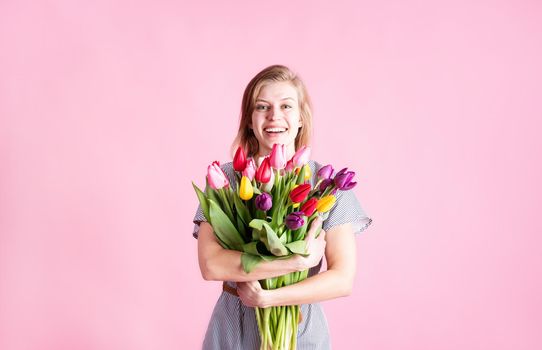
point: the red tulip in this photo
(263, 173)
(239, 160)
(299, 193)
(309, 206)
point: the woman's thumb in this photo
(314, 227)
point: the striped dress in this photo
(233, 325)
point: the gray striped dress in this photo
(233, 325)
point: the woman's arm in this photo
(335, 282)
(219, 264)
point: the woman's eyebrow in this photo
(282, 99)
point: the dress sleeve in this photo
(347, 209)
(198, 219)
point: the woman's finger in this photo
(322, 235)
(314, 226)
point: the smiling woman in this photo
(276, 110)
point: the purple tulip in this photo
(264, 201)
(325, 183)
(325, 172)
(343, 179)
(295, 220)
(349, 186)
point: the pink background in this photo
(109, 109)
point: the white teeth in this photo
(275, 129)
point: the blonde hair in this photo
(272, 74)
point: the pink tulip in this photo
(301, 157)
(250, 169)
(277, 159)
(289, 166)
(216, 177)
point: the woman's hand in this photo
(252, 294)
(316, 247)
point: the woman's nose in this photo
(275, 113)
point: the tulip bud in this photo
(239, 160)
(325, 172)
(216, 177)
(263, 173)
(308, 172)
(264, 201)
(250, 169)
(299, 193)
(267, 187)
(309, 206)
(294, 220)
(277, 158)
(324, 184)
(349, 186)
(289, 166)
(245, 189)
(343, 179)
(325, 203)
(301, 157)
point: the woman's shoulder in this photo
(314, 165)
(228, 166)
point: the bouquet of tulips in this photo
(266, 216)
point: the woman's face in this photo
(276, 117)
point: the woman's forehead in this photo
(278, 91)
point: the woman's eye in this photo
(261, 107)
(286, 106)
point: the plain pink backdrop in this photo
(109, 109)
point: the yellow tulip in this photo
(245, 189)
(325, 203)
(308, 172)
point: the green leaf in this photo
(300, 233)
(249, 261)
(202, 201)
(224, 228)
(301, 176)
(274, 244)
(226, 204)
(241, 227)
(256, 234)
(211, 194)
(256, 223)
(242, 210)
(298, 247)
(251, 248)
